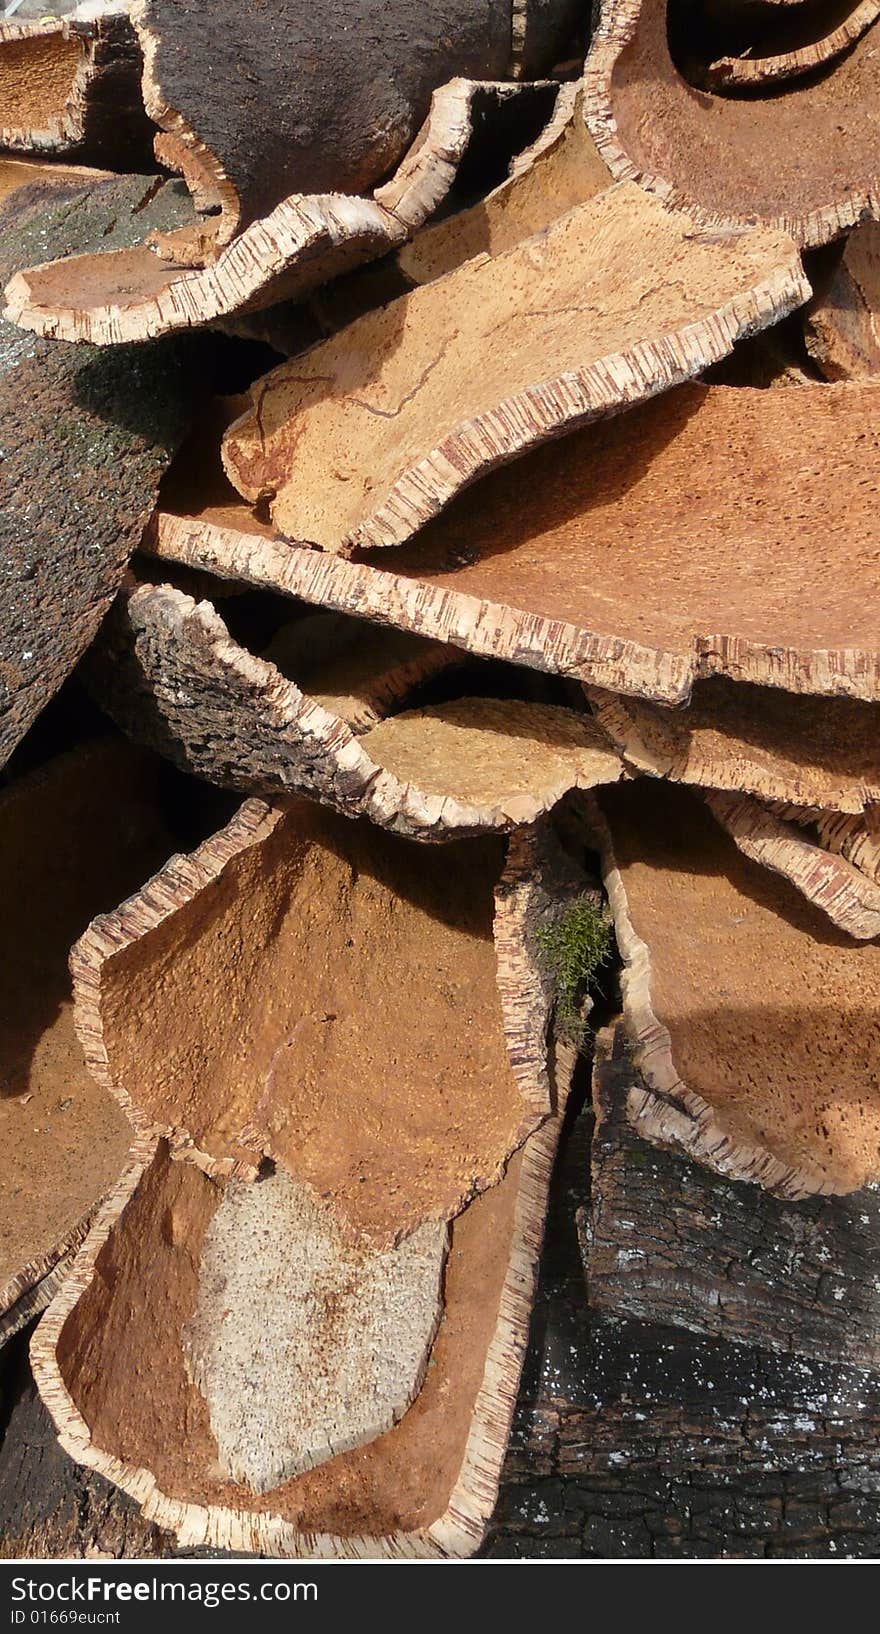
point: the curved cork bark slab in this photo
(753, 1023)
(234, 1006)
(557, 171)
(842, 323)
(170, 675)
(355, 670)
(708, 154)
(857, 839)
(765, 67)
(848, 899)
(547, 564)
(424, 1489)
(248, 127)
(74, 837)
(364, 438)
(85, 440)
(810, 751)
(183, 279)
(71, 85)
(302, 1344)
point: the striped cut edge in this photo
(618, 23)
(460, 1529)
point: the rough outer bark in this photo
(72, 86)
(169, 674)
(401, 410)
(179, 280)
(51, 1508)
(666, 1240)
(286, 102)
(842, 323)
(85, 440)
(531, 566)
(708, 155)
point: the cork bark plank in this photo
(752, 1021)
(75, 835)
(842, 322)
(708, 154)
(168, 672)
(85, 438)
(426, 1488)
(293, 901)
(186, 277)
(368, 435)
(71, 85)
(751, 740)
(775, 58)
(545, 564)
(842, 892)
(666, 1240)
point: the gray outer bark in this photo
(85, 437)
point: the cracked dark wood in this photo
(85, 439)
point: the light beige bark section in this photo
(365, 437)
(302, 1343)
(759, 71)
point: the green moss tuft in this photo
(573, 949)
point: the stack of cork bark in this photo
(465, 453)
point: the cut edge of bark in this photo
(745, 73)
(314, 751)
(845, 895)
(77, 37)
(492, 629)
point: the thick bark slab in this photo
(293, 902)
(367, 436)
(357, 671)
(666, 1240)
(181, 279)
(85, 440)
(425, 1488)
(74, 837)
(810, 751)
(708, 155)
(842, 323)
(71, 85)
(842, 892)
(249, 127)
(857, 839)
(753, 1023)
(172, 677)
(556, 172)
(546, 564)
